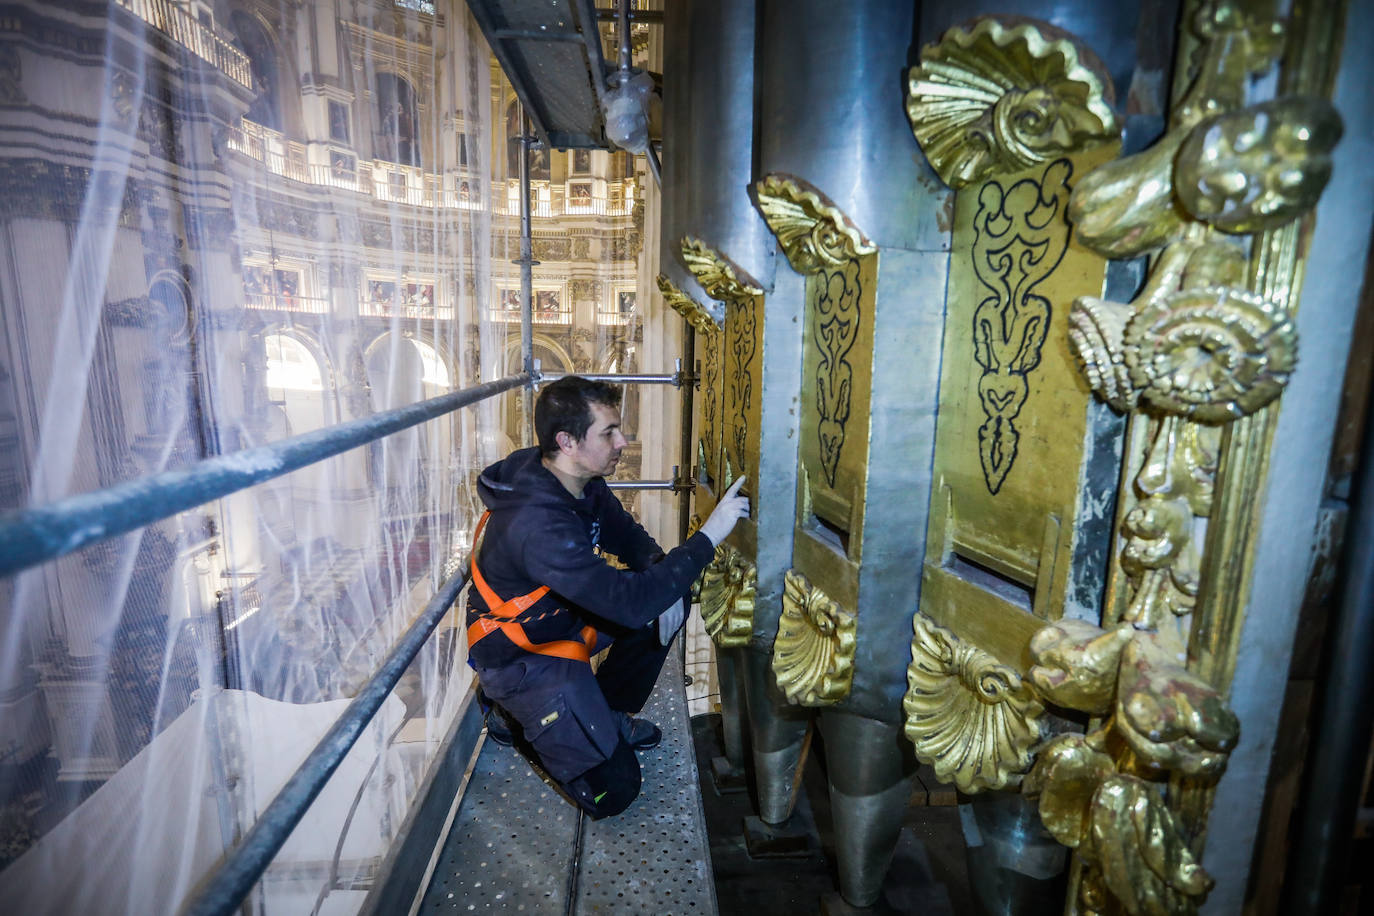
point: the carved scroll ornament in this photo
(717, 276)
(1000, 96)
(1192, 352)
(813, 232)
(813, 657)
(696, 314)
(727, 590)
(969, 716)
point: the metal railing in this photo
(32, 536)
(175, 22)
(395, 182)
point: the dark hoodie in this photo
(540, 534)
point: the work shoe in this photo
(640, 734)
(498, 729)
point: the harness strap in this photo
(510, 609)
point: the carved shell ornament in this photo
(813, 657)
(969, 716)
(813, 232)
(994, 96)
(728, 587)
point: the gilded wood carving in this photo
(1015, 428)
(727, 590)
(1194, 351)
(840, 265)
(739, 354)
(999, 96)
(968, 715)
(1018, 242)
(813, 657)
(709, 406)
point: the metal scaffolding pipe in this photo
(674, 379)
(526, 262)
(32, 536)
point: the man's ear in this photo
(565, 441)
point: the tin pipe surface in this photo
(32, 536)
(223, 891)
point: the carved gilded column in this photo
(1197, 360)
(1011, 113)
(813, 657)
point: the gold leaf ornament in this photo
(696, 314)
(1000, 96)
(1213, 354)
(1259, 167)
(813, 656)
(813, 232)
(967, 715)
(728, 587)
(720, 278)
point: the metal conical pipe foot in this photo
(780, 734)
(871, 766)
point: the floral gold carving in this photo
(1195, 350)
(968, 715)
(1002, 95)
(812, 231)
(727, 589)
(813, 657)
(696, 314)
(718, 277)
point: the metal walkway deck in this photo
(517, 847)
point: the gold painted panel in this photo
(742, 383)
(1013, 408)
(837, 374)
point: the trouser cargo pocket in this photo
(567, 747)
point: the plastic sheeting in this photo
(226, 223)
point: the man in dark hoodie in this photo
(545, 598)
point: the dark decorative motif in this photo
(1020, 237)
(743, 344)
(557, 249)
(710, 389)
(157, 127)
(834, 331)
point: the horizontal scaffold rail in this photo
(222, 892)
(32, 536)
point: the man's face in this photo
(598, 451)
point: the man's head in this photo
(578, 424)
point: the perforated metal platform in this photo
(515, 845)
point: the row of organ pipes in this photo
(880, 283)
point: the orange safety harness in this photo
(501, 616)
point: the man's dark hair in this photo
(566, 406)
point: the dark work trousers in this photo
(570, 717)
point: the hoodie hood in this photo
(520, 480)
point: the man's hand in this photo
(729, 510)
(670, 621)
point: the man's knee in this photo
(608, 788)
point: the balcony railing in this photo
(540, 316)
(286, 303)
(613, 317)
(198, 38)
(393, 182)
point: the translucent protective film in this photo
(228, 223)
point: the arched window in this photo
(252, 39)
(291, 366)
(434, 371)
(539, 158)
(398, 119)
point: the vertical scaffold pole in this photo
(526, 262)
